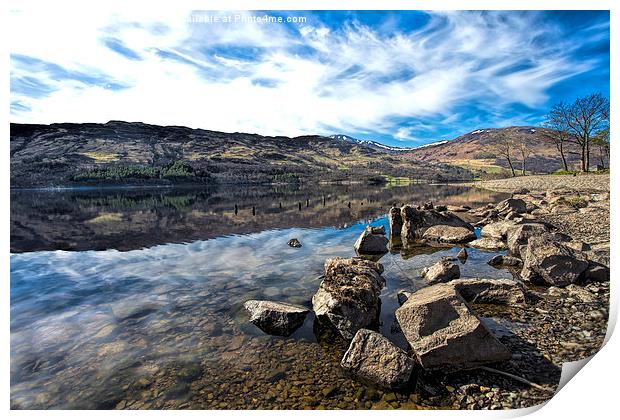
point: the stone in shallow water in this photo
(442, 271)
(294, 243)
(449, 234)
(372, 241)
(348, 297)
(276, 318)
(374, 358)
(443, 332)
(505, 260)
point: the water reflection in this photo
(127, 219)
(163, 327)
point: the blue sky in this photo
(402, 78)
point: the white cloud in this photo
(455, 59)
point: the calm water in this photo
(133, 298)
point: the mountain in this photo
(371, 144)
(121, 152)
(475, 150)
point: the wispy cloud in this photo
(411, 77)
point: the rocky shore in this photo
(475, 343)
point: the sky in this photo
(400, 78)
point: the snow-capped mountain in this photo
(372, 144)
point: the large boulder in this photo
(448, 234)
(277, 318)
(444, 334)
(518, 237)
(498, 230)
(442, 271)
(491, 291)
(417, 221)
(490, 244)
(515, 205)
(551, 262)
(348, 296)
(374, 358)
(372, 241)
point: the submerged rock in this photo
(374, 358)
(448, 234)
(402, 296)
(444, 334)
(348, 297)
(372, 241)
(462, 255)
(277, 318)
(491, 291)
(552, 262)
(294, 243)
(442, 271)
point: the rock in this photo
(441, 208)
(442, 271)
(374, 358)
(490, 291)
(578, 246)
(294, 243)
(457, 209)
(511, 205)
(402, 296)
(348, 297)
(492, 244)
(518, 236)
(277, 318)
(498, 230)
(505, 260)
(552, 262)
(599, 253)
(512, 216)
(428, 206)
(462, 255)
(371, 241)
(448, 234)
(580, 293)
(444, 334)
(416, 222)
(596, 272)
(396, 222)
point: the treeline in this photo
(585, 123)
(178, 170)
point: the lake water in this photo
(132, 298)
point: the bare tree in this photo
(505, 149)
(585, 117)
(601, 142)
(559, 130)
(525, 151)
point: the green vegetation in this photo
(177, 170)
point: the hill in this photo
(475, 150)
(120, 152)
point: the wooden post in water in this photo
(236, 209)
(307, 202)
(349, 205)
(323, 201)
(300, 206)
(280, 205)
(253, 211)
